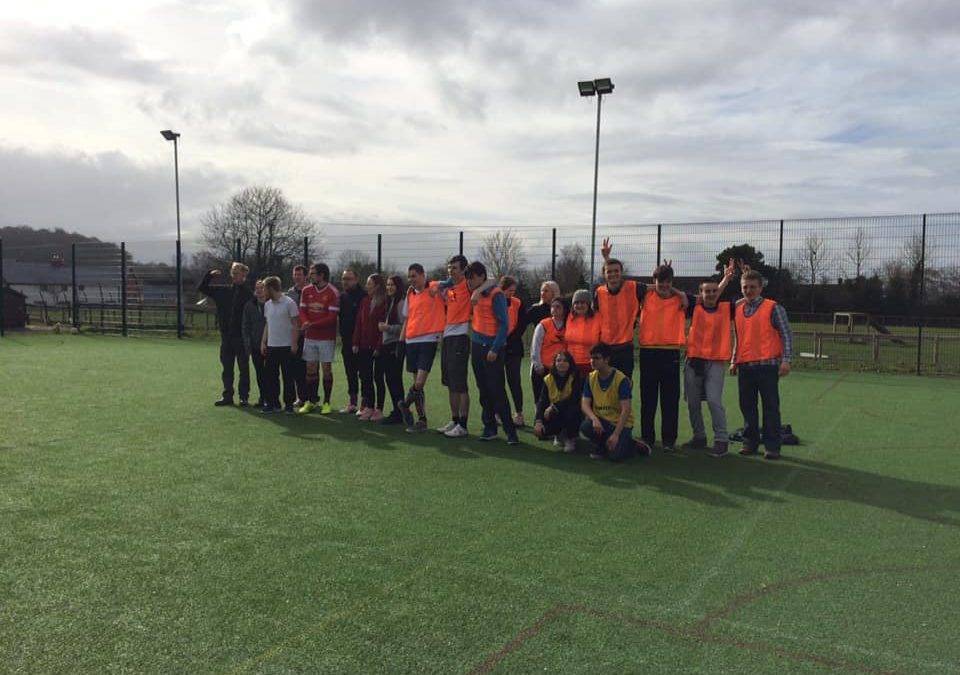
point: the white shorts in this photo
(318, 351)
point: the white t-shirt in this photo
(279, 314)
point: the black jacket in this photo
(253, 324)
(349, 304)
(230, 301)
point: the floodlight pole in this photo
(596, 173)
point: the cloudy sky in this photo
(466, 113)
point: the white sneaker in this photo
(570, 445)
(456, 432)
(447, 427)
(556, 441)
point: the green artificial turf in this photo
(144, 530)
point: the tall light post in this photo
(598, 88)
(173, 136)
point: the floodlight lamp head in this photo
(587, 88)
(170, 135)
(604, 85)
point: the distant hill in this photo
(27, 244)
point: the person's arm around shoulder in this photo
(503, 322)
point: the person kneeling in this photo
(558, 408)
(606, 407)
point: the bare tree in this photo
(362, 264)
(267, 229)
(860, 250)
(502, 253)
(572, 268)
(814, 259)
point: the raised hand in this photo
(730, 269)
(215, 273)
(606, 247)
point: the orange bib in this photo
(554, 342)
(618, 313)
(484, 320)
(662, 321)
(581, 334)
(458, 304)
(757, 339)
(709, 336)
(425, 313)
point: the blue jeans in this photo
(625, 447)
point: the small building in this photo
(14, 308)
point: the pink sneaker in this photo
(360, 411)
(365, 414)
(349, 408)
(376, 415)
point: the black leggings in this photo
(371, 380)
(351, 366)
(389, 366)
(536, 383)
(511, 365)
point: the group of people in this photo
(582, 352)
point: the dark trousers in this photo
(659, 378)
(279, 360)
(258, 368)
(299, 369)
(490, 381)
(351, 366)
(536, 383)
(232, 349)
(622, 359)
(372, 391)
(390, 366)
(625, 447)
(566, 422)
(511, 364)
(762, 381)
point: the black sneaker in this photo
(220, 402)
(488, 434)
(512, 439)
(393, 418)
(289, 409)
(695, 443)
(668, 448)
(771, 454)
(719, 449)
(643, 450)
(244, 403)
(270, 410)
(748, 450)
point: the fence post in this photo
(461, 242)
(876, 348)
(74, 313)
(3, 294)
(659, 240)
(237, 251)
(379, 254)
(306, 252)
(553, 257)
(123, 287)
(780, 259)
(923, 275)
(179, 290)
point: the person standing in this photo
(582, 330)
(548, 341)
(607, 410)
(390, 361)
(253, 324)
(424, 320)
(367, 341)
(709, 349)
(230, 301)
(455, 347)
(558, 410)
(319, 308)
(536, 313)
(617, 304)
(513, 351)
(279, 346)
(350, 299)
(490, 325)
(761, 357)
(298, 365)
(662, 337)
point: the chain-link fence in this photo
(873, 293)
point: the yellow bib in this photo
(556, 395)
(606, 402)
